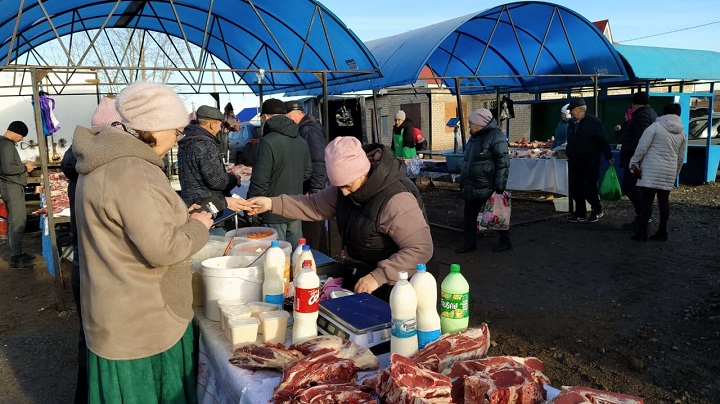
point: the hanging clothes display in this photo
(50, 124)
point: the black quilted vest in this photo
(358, 214)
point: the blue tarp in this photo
(247, 114)
(524, 46)
(245, 34)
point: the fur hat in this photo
(105, 114)
(18, 127)
(208, 112)
(273, 106)
(345, 160)
(400, 115)
(481, 117)
(641, 98)
(151, 107)
(575, 102)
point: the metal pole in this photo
(711, 108)
(42, 148)
(376, 131)
(326, 113)
(460, 111)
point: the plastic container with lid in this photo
(254, 233)
(215, 247)
(428, 320)
(273, 326)
(261, 307)
(403, 310)
(228, 278)
(230, 312)
(243, 330)
(454, 301)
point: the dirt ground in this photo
(599, 309)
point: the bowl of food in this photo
(254, 233)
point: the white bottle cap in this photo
(402, 275)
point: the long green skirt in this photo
(168, 377)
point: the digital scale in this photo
(361, 318)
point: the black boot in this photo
(660, 235)
(504, 243)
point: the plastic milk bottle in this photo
(428, 320)
(305, 255)
(454, 301)
(403, 307)
(295, 262)
(306, 303)
(274, 267)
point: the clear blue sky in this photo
(372, 19)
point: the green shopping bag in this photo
(610, 186)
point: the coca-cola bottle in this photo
(306, 303)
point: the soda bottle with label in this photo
(403, 308)
(428, 320)
(306, 304)
(274, 268)
(454, 301)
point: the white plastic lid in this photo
(402, 275)
(230, 302)
(274, 315)
(237, 311)
(243, 322)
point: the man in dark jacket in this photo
(585, 144)
(282, 164)
(200, 164)
(484, 170)
(13, 178)
(314, 134)
(642, 116)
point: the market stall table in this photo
(535, 174)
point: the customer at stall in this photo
(586, 143)
(105, 115)
(200, 164)
(484, 171)
(656, 163)
(642, 116)
(403, 140)
(135, 237)
(314, 134)
(379, 211)
(13, 178)
(282, 164)
(561, 130)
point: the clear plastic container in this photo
(229, 312)
(243, 330)
(254, 233)
(273, 326)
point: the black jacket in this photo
(485, 163)
(202, 172)
(630, 136)
(282, 163)
(314, 135)
(586, 140)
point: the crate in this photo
(562, 205)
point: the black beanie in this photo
(18, 127)
(641, 98)
(273, 106)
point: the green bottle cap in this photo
(455, 268)
(420, 267)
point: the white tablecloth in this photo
(549, 175)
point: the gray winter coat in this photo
(485, 163)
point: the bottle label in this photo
(454, 306)
(306, 300)
(403, 328)
(275, 299)
(426, 337)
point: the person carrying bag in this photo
(610, 186)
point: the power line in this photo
(670, 32)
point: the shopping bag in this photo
(496, 213)
(610, 186)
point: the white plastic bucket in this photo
(254, 233)
(215, 247)
(228, 278)
(250, 250)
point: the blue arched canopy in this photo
(525, 46)
(288, 39)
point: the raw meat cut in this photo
(268, 356)
(582, 395)
(440, 355)
(361, 356)
(406, 382)
(320, 367)
(498, 379)
(336, 393)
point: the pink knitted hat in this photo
(345, 160)
(105, 114)
(151, 107)
(481, 117)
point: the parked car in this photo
(238, 139)
(697, 127)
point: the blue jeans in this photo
(290, 231)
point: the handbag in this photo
(610, 186)
(495, 215)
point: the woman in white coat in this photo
(657, 162)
